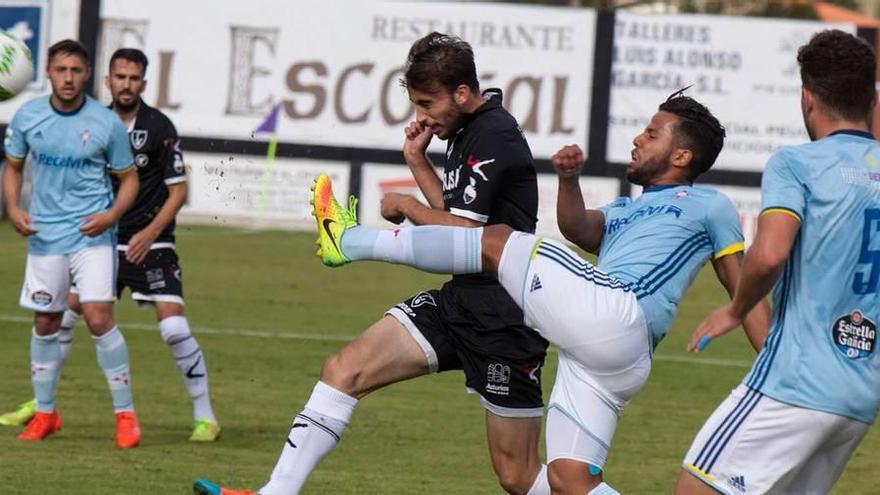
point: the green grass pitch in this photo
(267, 314)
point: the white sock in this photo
(434, 249)
(314, 433)
(541, 486)
(65, 336)
(603, 489)
(190, 363)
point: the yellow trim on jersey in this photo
(535, 249)
(123, 170)
(15, 158)
(733, 248)
(781, 210)
(704, 476)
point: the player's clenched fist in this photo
(417, 139)
(568, 161)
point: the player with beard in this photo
(147, 260)
(470, 324)
(604, 319)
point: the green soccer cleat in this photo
(22, 414)
(205, 487)
(333, 220)
(205, 430)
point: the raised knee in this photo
(338, 373)
(514, 481)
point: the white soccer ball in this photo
(16, 66)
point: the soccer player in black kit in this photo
(148, 263)
(470, 324)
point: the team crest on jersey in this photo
(423, 298)
(470, 191)
(138, 138)
(84, 137)
(854, 335)
(141, 160)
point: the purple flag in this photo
(270, 124)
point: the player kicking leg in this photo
(542, 277)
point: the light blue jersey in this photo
(658, 243)
(71, 154)
(821, 350)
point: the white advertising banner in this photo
(334, 65)
(247, 191)
(744, 69)
(39, 24)
(378, 179)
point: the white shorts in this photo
(755, 444)
(598, 326)
(47, 279)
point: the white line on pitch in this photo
(242, 332)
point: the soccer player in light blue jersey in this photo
(605, 319)
(814, 391)
(73, 143)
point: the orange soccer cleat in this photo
(128, 431)
(43, 425)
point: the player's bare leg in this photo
(688, 484)
(383, 354)
(513, 448)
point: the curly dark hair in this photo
(440, 60)
(839, 69)
(699, 130)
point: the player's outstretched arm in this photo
(763, 264)
(757, 321)
(397, 207)
(12, 178)
(579, 225)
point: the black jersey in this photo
(489, 175)
(156, 151)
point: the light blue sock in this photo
(434, 249)
(45, 360)
(113, 360)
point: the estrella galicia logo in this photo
(854, 335)
(41, 298)
(423, 298)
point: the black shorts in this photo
(479, 329)
(156, 279)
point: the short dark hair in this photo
(440, 59)
(698, 130)
(69, 47)
(840, 70)
(132, 55)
